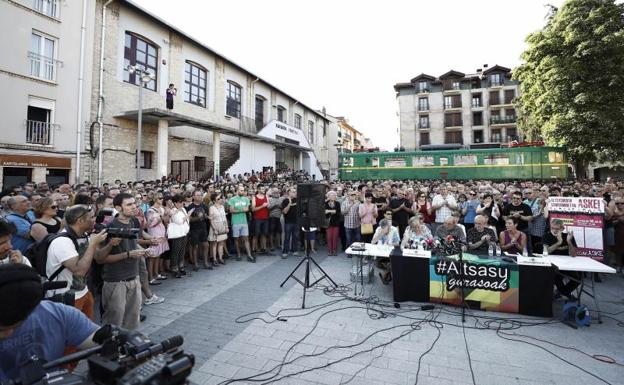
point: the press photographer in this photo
(30, 326)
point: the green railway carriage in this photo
(496, 163)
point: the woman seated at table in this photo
(512, 240)
(416, 233)
(388, 235)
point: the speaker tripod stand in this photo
(305, 283)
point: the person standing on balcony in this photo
(171, 92)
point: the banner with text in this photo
(488, 284)
(585, 218)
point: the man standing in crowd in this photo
(198, 233)
(520, 211)
(275, 215)
(291, 230)
(121, 292)
(239, 207)
(350, 210)
(443, 204)
(260, 209)
(401, 211)
(19, 206)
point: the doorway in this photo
(14, 176)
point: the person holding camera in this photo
(32, 327)
(121, 292)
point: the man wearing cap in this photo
(31, 327)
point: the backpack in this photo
(37, 254)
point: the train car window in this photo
(444, 161)
(496, 159)
(465, 160)
(394, 162)
(555, 157)
(375, 162)
(347, 161)
(422, 161)
(519, 158)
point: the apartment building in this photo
(458, 110)
(225, 119)
(350, 138)
(44, 77)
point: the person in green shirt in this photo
(239, 207)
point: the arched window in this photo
(142, 53)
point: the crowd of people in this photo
(184, 227)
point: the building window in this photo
(41, 55)
(39, 127)
(281, 114)
(496, 80)
(512, 134)
(452, 101)
(496, 135)
(324, 128)
(423, 121)
(311, 131)
(495, 117)
(477, 118)
(200, 163)
(476, 100)
(475, 83)
(194, 84)
(233, 107)
(494, 98)
(143, 54)
(455, 85)
(423, 86)
(477, 136)
(424, 138)
(453, 120)
(146, 159)
(279, 155)
(298, 121)
(259, 112)
(47, 7)
(423, 104)
(453, 137)
(509, 96)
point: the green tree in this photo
(572, 81)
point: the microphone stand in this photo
(463, 303)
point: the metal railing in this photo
(423, 125)
(502, 119)
(41, 133)
(476, 103)
(42, 66)
(423, 107)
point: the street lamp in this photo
(144, 77)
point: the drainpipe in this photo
(101, 92)
(79, 124)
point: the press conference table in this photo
(410, 273)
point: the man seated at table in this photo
(388, 235)
(480, 237)
(450, 228)
(559, 243)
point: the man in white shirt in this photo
(443, 204)
(75, 252)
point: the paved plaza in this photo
(337, 340)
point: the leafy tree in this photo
(572, 81)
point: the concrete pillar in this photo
(300, 160)
(216, 154)
(163, 147)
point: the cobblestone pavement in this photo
(338, 341)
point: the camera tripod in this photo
(305, 283)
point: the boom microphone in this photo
(55, 285)
(164, 346)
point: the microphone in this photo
(163, 346)
(54, 285)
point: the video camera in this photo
(67, 298)
(123, 358)
(114, 232)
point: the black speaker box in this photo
(311, 205)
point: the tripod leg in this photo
(324, 273)
(292, 272)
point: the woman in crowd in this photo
(47, 221)
(218, 232)
(332, 211)
(368, 218)
(156, 228)
(416, 233)
(489, 209)
(512, 240)
(422, 205)
(387, 235)
(176, 232)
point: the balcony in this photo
(423, 90)
(476, 103)
(42, 66)
(423, 107)
(346, 136)
(494, 120)
(452, 106)
(496, 83)
(356, 142)
(40, 133)
(423, 125)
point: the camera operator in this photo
(75, 253)
(121, 292)
(29, 326)
(7, 254)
